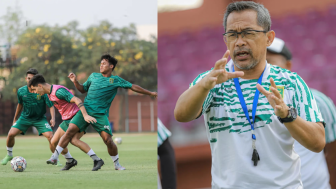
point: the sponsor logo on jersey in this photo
(47, 125)
(111, 80)
(107, 127)
(213, 140)
(38, 97)
(281, 90)
(229, 90)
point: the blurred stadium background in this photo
(190, 42)
(56, 48)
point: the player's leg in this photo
(54, 141)
(48, 135)
(20, 127)
(103, 128)
(84, 146)
(63, 143)
(10, 144)
(112, 149)
(44, 129)
(69, 134)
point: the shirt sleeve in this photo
(64, 94)
(120, 82)
(48, 102)
(87, 83)
(328, 112)
(208, 100)
(305, 103)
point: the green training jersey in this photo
(101, 92)
(34, 105)
(63, 94)
(328, 111)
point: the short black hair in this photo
(263, 16)
(32, 71)
(37, 79)
(110, 59)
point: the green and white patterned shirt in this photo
(229, 132)
(163, 133)
(328, 111)
(314, 169)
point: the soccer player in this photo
(68, 105)
(34, 108)
(102, 88)
(253, 111)
(314, 169)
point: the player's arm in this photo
(80, 105)
(52, 113)
(78, 86)
(138, 89)
(330, 155)
(189, 105)
(52, 110)
(309, 134)
(19, 108)
(64, 94)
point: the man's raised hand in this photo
(219, 74)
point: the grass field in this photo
(137, 153)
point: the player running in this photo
(102, 88)
(68, 105)
(34, 108)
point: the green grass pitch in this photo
(137, 153)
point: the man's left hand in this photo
(52, 122)
(275, 99)
(154, 94)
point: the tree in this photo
(48, 50)
(56, 51)
(13, 25)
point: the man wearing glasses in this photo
(253, 111)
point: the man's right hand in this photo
(90, 119)
(219, 74)
(72, 77)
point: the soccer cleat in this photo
(117, 166)
(69, 165)
(59, 164)
(52, 161)
(97, 164)
(6, 159)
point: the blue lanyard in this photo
(255, 156)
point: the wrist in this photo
(291, 115)
(203, 86)
(285, 114)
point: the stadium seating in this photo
(311, 38)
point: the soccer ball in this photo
(18, 164)
(118, 140)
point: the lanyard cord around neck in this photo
(255, 155)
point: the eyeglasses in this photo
(230, 37)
